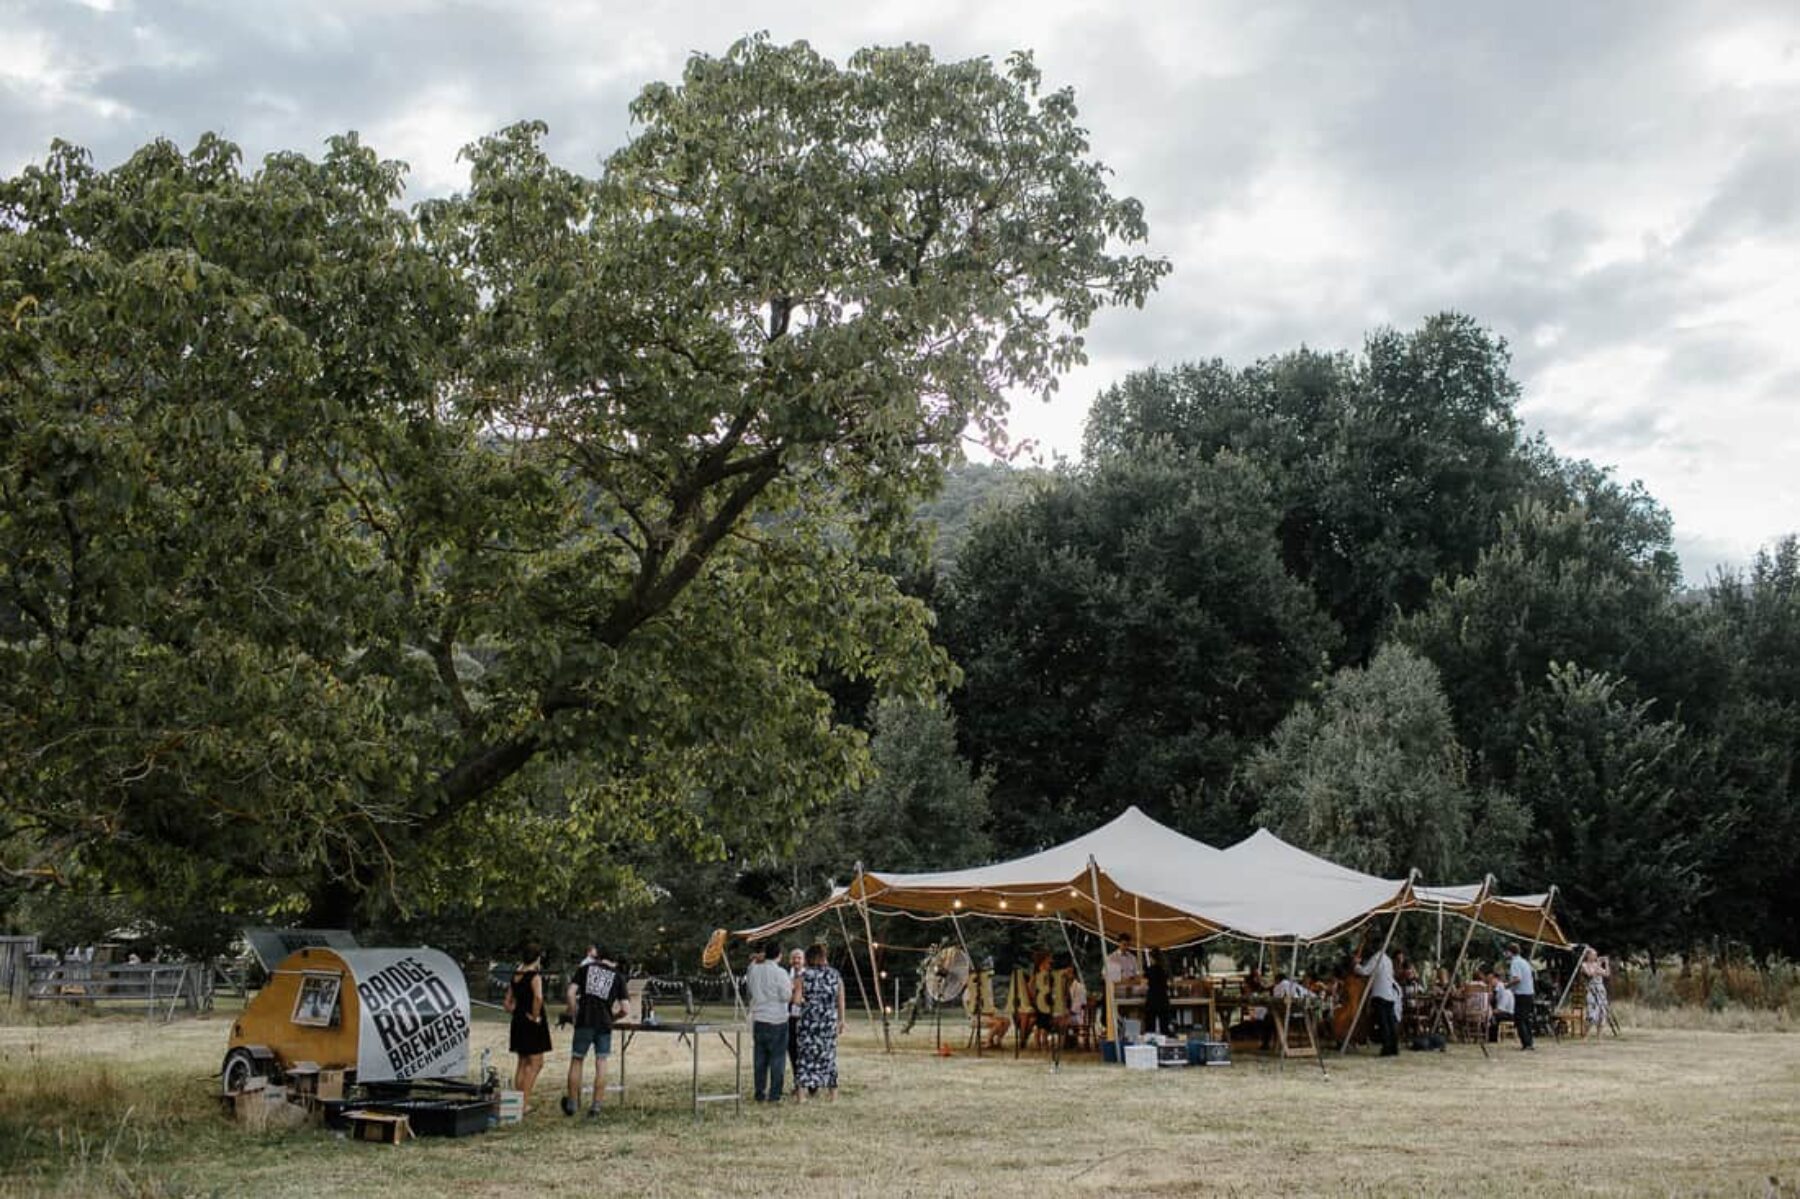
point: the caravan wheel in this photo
(239, 1068)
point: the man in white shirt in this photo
(1122, 963)
(1522, 981)
(1383, 993)
(771, 990)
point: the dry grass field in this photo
(119, 1107)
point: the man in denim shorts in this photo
(596, 999)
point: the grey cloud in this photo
(1761, 194)
(1479, 159)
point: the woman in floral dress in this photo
(1596, 970)
(821, 1022)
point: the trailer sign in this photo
(415, 1015)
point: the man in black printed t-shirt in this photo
(596, 998)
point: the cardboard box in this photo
(259, 1106)
(1140, 1057)
(512, 1106)
(331, 1083)
(379, 1127)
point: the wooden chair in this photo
(1571, 1018)
(1469, 1018)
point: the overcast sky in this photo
(1615, 188)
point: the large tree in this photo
(1560, 583)
(1755, 619)
(1372, 775)
(1390, 467)
(332, 534)
(1126, 635)
(1623, 819)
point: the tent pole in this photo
(1137, 931)
(1543, 919)
(975, 981)
(1067, 943)
(862, 905)
(1363, 1002)
(850, 946)
(1487, 889)
(1287, 1008)
(1570, 985)
(1106, 985)
(737, 1006)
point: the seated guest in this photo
(1286, 989)
(1502, 1004)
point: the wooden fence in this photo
(15, 966)
(160, 987)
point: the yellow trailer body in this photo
(389, 1015)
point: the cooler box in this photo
(1171, 1053)
(1140, 1057)
(1208, 1053)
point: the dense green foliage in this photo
(1618, 808)
(380, 559)
(1373, 776)
(1127, 634)
(1523, 686)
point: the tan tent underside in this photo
(1150, 924)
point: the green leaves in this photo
(1125, 635)
(334, 535)
(1373, 776)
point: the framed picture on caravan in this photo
(316, 1005)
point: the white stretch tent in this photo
(1526, 916)
(1141, 877)
(1135, 875)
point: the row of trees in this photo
(1345, 597)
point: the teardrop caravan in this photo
(388, 1015)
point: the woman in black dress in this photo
(530, 1038)
(1159, 1013)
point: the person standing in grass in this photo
(596, 998)
(1159, 1010)
(529, 1037)
(1384, 997)
(821, 998)
(796, 968)
(1522, 982)
(771, 991)
(1595, 970)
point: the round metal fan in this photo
(946, 975)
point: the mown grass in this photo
(121, 1107)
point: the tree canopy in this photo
(1373, 776)
(1127, 632)
(335, 531)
